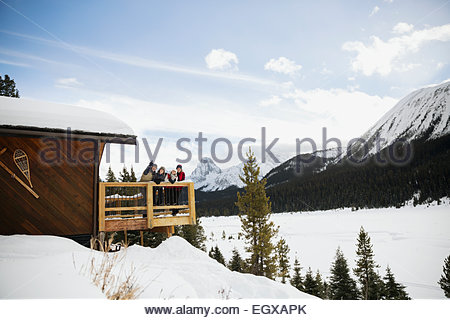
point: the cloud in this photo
(220, 59)
(347, 113)
(140, 62)
(273, 100)
(68, 82)
(402, 27)
(440, 65)
(374, 11)
(13, 63)
(382, 57)
(282, 65)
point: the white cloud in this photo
(440, 65)
(273, 100)
(220, 59)
(136, 61)
(68, 82)
(389, 1)
(13, 63)
(382, 57)
(374, 11)
(347, 113)
(402, 27)
(282, 65)
(326, 71)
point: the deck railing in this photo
(145, 205)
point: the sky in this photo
(172, 69)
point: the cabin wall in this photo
(62, 174)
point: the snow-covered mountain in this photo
(424, 113)
(209, 177)
(308, 163)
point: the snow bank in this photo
(54, 267)
(42, 114)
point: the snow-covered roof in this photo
(48, 116)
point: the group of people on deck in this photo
(164, 195)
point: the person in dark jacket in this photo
(171, 191)
(159, 177)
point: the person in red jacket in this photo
(181, 176)
(180, 173)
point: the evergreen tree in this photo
(444, 281)
(297, 279)
(342, 286)
(311, 286)
(8, 87)
(321, 286)
(217, 255)
(236, 262)
(194, 234)
(369, 280)
(124, 176)
(110, 177)
(151, 239)
(282, 251)
(132, 175)
(254, 213)
(392, 289)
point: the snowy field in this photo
(414, 241)
(54, 267)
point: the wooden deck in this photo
(127, 206)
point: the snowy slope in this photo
(422, 113)
(414, 241)
(54, 267)
(209, 177)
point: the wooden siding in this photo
(66, 189)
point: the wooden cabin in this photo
(49, 175)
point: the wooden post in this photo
(191, 202)
(150, 205)
(142, 238)
(101, 207)
(126, 237)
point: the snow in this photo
(207, 176)
(414, 241)
(54, 267)
(413, 116)
(41, 114)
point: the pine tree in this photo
(444, 281)
(282, 251)
(254, 213)
(132, 175)
(236, 262)
(110, 177)
(311, 286)
(369, 280)
(392, 289)
(217, 255)
(8, 87)
(124, 176)
(321, 285)
(342, 286)
(194, 234)
(297, 279)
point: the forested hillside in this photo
(425, 177)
